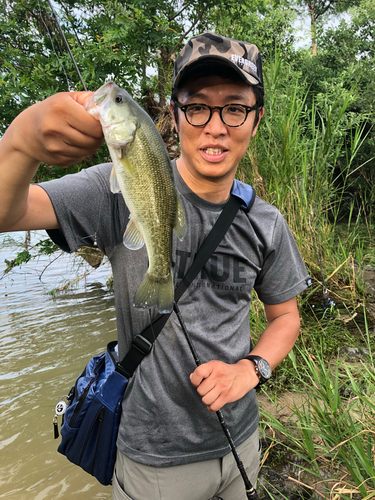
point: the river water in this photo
(45, 343)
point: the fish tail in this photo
(155, 292)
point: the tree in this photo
(267, 24)
(318, 8)
(119, 39)
(345, 62)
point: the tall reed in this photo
(302, 157)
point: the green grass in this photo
(332, 431)
(325, 332)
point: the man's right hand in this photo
(57, 131)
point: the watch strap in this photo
(253, 357)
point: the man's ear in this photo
(171, 106)
(261, 113)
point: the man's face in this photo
(214, 150)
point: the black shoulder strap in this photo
(142, 343)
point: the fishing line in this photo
(152, 328)
(66, 44)
(251, 493)
(94, 236)
(95, 242)
(327, 302)
(53, 45)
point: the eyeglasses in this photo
(233, 115)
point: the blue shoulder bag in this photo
(92, 411)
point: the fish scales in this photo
(147, 199)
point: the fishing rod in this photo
(66, 44)
(251, 493)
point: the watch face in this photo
(264, 369)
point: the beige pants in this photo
(198, 481)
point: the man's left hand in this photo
(219, 383)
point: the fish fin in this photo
(113, 182)
(180, 222)
(133, 238)
(119, 153)
(152, 292)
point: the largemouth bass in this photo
(142, 171)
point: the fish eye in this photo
(118, 99)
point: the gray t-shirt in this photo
(164, 420)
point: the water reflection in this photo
(44, 344)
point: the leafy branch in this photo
(44, 247)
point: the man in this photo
(170, 444)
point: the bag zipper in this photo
(100, 416)
(101, 420)
(83, 396)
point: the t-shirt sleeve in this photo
(283, 274)
(86, 210)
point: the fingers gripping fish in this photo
(142, 172)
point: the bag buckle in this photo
(142, 344)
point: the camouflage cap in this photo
(242, 56)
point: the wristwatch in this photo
(262, 368)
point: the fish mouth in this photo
(102, 93)
(98, 98)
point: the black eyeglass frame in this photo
(184, 108)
